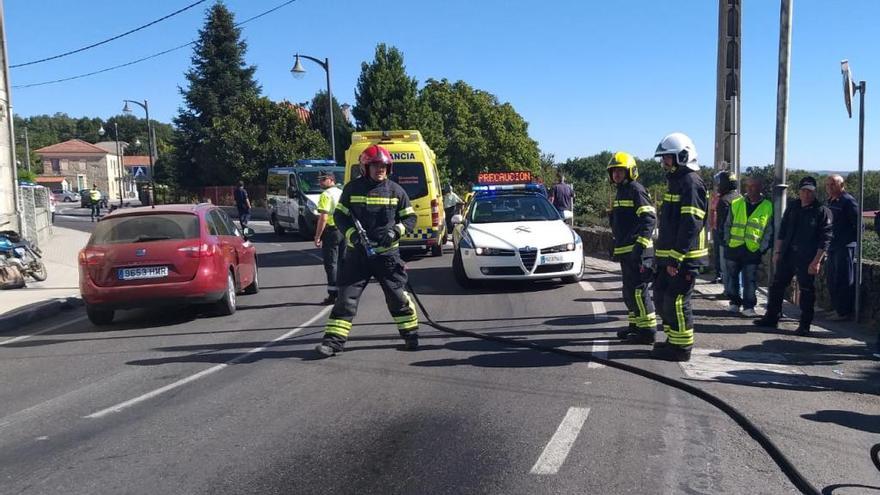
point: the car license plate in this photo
(551, 258)
(143, 272)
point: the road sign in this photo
(139, 172)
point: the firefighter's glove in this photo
(388, 237)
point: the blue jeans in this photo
(747, 297)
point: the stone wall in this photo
(598, 242)
(37, 223)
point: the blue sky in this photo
(587, 75)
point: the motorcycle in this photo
(22, 254)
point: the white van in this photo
(292, 195)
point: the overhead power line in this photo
(108, 40)
(148, 57)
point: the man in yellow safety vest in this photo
(747, 235)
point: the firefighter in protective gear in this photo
(681, 245)
(632, 222)
(384, 212)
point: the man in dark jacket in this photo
(841, 270)
(632, 221)
(801, 244)
(381, 208)
(680, 249)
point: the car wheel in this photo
(458, 271)
(67, 200)
(573, 279)
(99, 316)
(279, 230)
(437, 250)
(255, 285)
(226, 304)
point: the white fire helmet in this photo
(681, 147)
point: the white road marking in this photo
(213, 369)
(45, 330)
(587, 286)
(601, 351)
(560, 443)
(599, 311)
(742, 366)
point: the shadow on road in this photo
(857, 421)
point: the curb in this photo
(37, 311)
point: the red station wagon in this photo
(167, 255)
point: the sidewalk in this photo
(74, 210)
(59, 291)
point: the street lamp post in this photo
(146, 108)
(119, 168)
(298, 72)
(849, 89)
(27, 151)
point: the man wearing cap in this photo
(327, 236)
(803, 239)
(841, 271)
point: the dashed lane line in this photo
(600, 349)
(45, 330)
(588, 287)
(179, 383)
(560, 443)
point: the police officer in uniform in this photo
(384, 212)
(803, 239)
(632, 222)
(681, 245)
(327, 236)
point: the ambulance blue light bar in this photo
(507, 187)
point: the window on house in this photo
(56, 165)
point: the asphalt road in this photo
(181, 402)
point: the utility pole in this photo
(779, 188)
(727, 88)
(10, 208)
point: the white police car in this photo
(512, 232)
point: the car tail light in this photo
(435, 213)
(90, 257)
(203, 250)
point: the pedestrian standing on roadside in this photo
(726, 187)
(243, 204)
(747, 235)
(801, 244)
(840, 272)
(451, 205)
(562, 195)
(95, 202)
(327, 236)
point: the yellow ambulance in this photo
(415, 169)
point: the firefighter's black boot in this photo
(624, 334)
(410, 341)
(671, 352)
(640, 337)
(328, 349)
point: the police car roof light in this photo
(313, 163)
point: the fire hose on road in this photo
(785, 465)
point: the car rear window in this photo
(146, 228)
(410, 176)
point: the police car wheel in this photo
(437, 250)
(458, 271)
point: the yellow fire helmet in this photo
(624, 160)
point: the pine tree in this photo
(218, 79)
(386, 97)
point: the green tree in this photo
(259, 134)
(217, 81)
(386, 97)
(471, 131)
(341, 125)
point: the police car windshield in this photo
(310, 184)
(512, 208)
